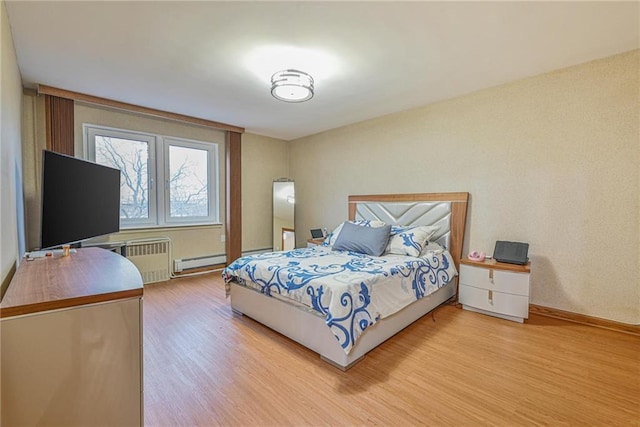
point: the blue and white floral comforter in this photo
(352, 290)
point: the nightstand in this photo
(314, 242)
(495, 288)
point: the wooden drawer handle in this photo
(490, 296)
(491, 275)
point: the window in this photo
(165, 181)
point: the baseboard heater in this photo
(180, 265)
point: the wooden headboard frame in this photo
(458, 203)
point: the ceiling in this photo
(214, 60)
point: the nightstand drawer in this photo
(502, 281)
(495, 302)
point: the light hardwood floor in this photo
(204, 365)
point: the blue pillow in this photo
(365, 240)
(331, 238)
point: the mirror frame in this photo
(281, 200)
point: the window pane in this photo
(131, 157)
(188, 182)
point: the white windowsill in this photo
(168, 227)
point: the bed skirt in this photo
(310, 329)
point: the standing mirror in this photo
(284, 203)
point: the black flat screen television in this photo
(80, 200)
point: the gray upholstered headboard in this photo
(446, 210)
(410, 213)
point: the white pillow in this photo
(411, 240)
(331, 238)
(431, 248)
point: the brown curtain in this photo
(59, 118)
(234, 196)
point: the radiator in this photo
(151, 257)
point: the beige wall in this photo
(551, 160)
(33, 142)
(263, 160)
(11, 206)
(12, 237)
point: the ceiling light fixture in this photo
(292, 86)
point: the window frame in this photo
(212, 173)
(158, 171)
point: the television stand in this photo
(72, 341)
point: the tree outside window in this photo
(164, 180)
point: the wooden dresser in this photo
(72, 341)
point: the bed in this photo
(337, 303)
